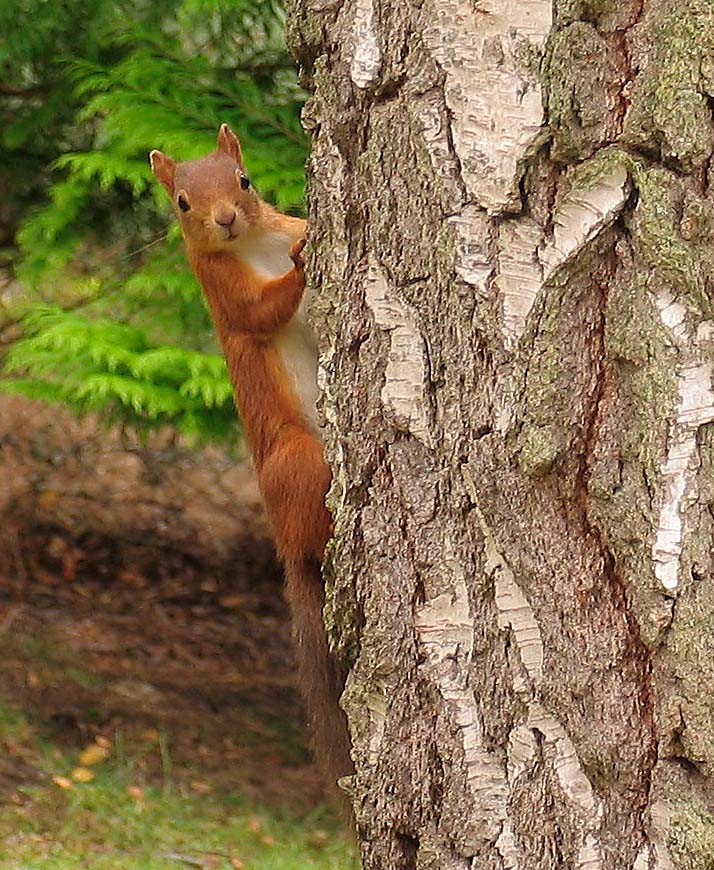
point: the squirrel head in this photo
(212, 197)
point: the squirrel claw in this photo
(295, 253)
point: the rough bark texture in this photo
(512, 230)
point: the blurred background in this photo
(148, 711)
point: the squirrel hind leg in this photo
(294, 480)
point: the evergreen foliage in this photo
(113, 320)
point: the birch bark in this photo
(512, 230)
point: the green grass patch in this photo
(13, 725)
(44, 653)
(116, 821)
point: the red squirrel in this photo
(248, 259)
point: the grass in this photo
(115, 821)
(41, 652)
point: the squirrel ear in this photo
(228, 143)
(164, 168)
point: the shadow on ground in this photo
(140, 603)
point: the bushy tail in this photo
(321, 679)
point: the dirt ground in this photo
(140, 601)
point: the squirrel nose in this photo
(224, 216)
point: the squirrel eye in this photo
(183, 203)
(244, 182)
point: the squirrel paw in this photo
(295, 253)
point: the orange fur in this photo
(292, 472)
(248, 311)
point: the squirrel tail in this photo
(321, 678)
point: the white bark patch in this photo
(653, 858)
(340, 478)
(445, 631)
(377, 709)
(695, 407)
(496, 104)
(655, 855)
(516, 614)
(525, 261)
(404, 391)
(430, 115)
(507, 848)
(520, 273)
(473, 258)
(589, 856)
(575, 785)
(367, 54)
(582, 215)
(327, 162)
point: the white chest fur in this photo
(296, 342)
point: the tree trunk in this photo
(512, 230)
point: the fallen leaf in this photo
(254, 824)
(132, 578)
(93, 754)
(70, 560)
(267, 840)
(62, 781)
(135, 792)
(237, 863)
(319, 838)
(82, 774)
(48, 499)
(201, 787)
(45, 577)
(57, 547)
(231, 602)
(102, 741)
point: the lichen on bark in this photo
(669, 116)
(582, 82)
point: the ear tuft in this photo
(164, 168)
(228, 143)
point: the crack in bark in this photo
(639, 653)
